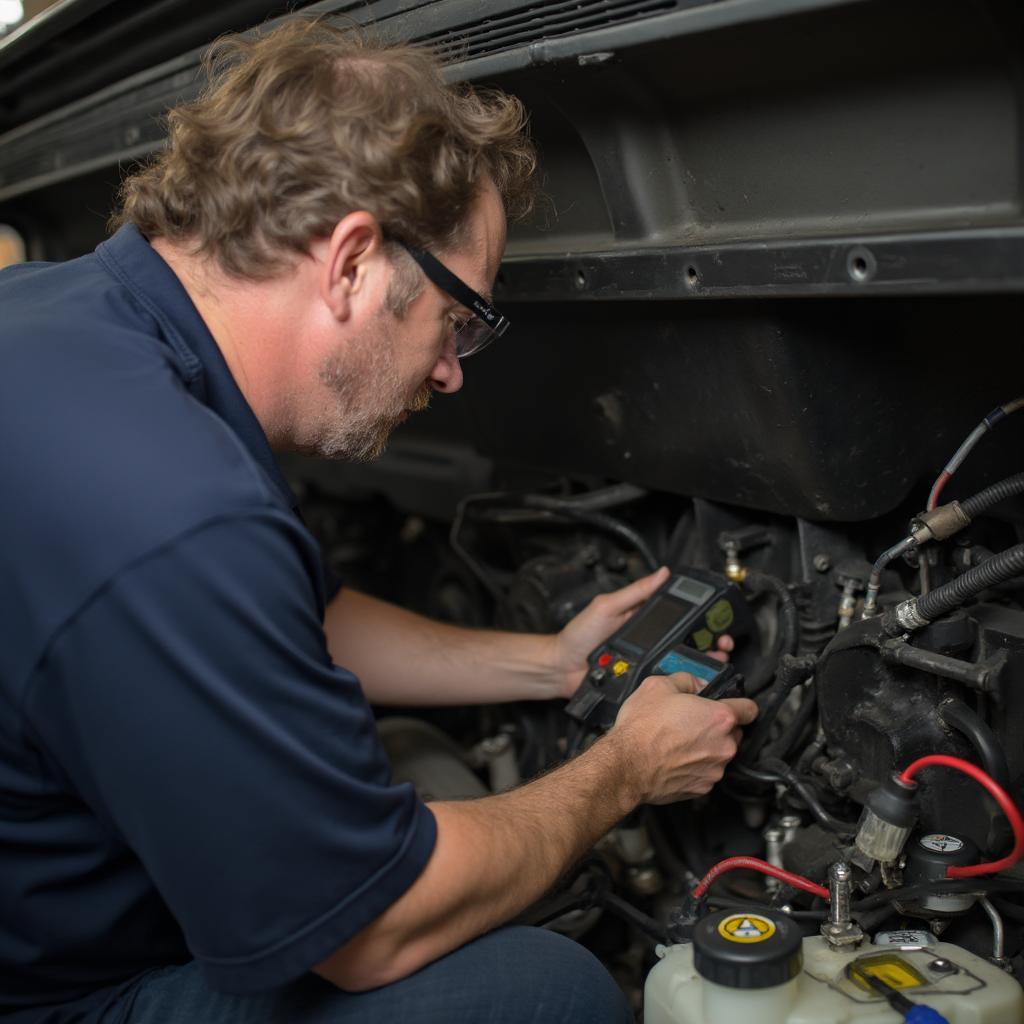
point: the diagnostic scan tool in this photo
(672, 632)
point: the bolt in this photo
(822, 562)
(942, 966)
(492, 746)
(839, 875)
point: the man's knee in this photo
(543, 976)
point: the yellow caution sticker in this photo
(746, 928)
(620, 668)
(702, 639)
(719, 616)
(894, 970)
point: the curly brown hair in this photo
(305, 123)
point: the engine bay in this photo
(849, 695)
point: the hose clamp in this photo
(907, 615)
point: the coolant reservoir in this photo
(756, 969)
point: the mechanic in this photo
(197, 821)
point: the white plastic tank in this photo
(764, 973)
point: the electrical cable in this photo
(617, 905)
(592, 518)
(910, 893)
(731, 903)
(772, 771)
(973, 506)
(919, 611)
(963, 513)
(788, 630)
(792, 732)
(1006, 805)
(791, 672)
(756, 864)
(584, 508)
(455, 540)
(997, 414)
(875, 579)
(956, 714)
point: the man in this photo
(196, 817)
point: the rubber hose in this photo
(985, 499)
(956, 714)
(593, 518)
(789, 615)
(792, 671)
(606, 497)
(788, 628)
(784, 743)
(998, 569)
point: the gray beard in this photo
(366, 409)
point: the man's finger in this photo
(726, 644)
(744, 710)
(686, 683)
(637, 592)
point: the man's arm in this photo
(495, 856)
(402, 658)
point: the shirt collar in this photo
(130, 258)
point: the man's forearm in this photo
(493, 858)
(402, 658)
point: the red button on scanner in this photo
(604, 659)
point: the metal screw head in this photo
(822, 562)
(941, 966)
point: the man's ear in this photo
(353, 262)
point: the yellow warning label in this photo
(893, 970)
(620, 668)
(746, 928)
(702, 639)
(719, 616)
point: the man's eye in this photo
(458, 324)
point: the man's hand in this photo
(678, 744)
(602, 617)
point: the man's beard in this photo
(369, 400)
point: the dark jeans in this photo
(514, 975)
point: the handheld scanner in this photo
(669, 633)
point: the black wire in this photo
(787, 739)
(787, 629)
(775, 771)
(953, 885)
(617, 905)
(584, 509)
(956, 714)
(730, 903)
(791, 673)
(591, 517)
(454, 539)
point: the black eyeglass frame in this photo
(456, 288)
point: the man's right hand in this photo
(675, 744)
(496, 855)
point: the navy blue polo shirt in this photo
(183, 771)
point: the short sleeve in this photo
(194, 706)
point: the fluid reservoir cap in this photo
(747, 950)
(930, 853)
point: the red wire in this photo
(940, 482)
(1008, 807)
(756, 864)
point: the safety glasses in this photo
(486, 324)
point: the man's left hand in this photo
(602, 617)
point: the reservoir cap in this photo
(747, 950)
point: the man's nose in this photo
(446, 376)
